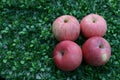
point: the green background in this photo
(27, 42)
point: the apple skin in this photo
(93, 25)
(66, 27)
(67, 55)
(96, 51)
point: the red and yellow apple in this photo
(96, 51)
(93, 25)
(67, 55)
(66, 27)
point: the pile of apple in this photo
(96, 50)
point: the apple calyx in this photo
(101, 46)
(65, 20)
(94, 20)
(62, 53)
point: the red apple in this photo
(93, 25)
(67, 55)
(66, 27)
(96, 51)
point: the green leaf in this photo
(22, 62)
(4, 60)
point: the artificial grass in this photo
(27, 41)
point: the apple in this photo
(96, 51)
(66, 27)
(67, 55)
(93, 25)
